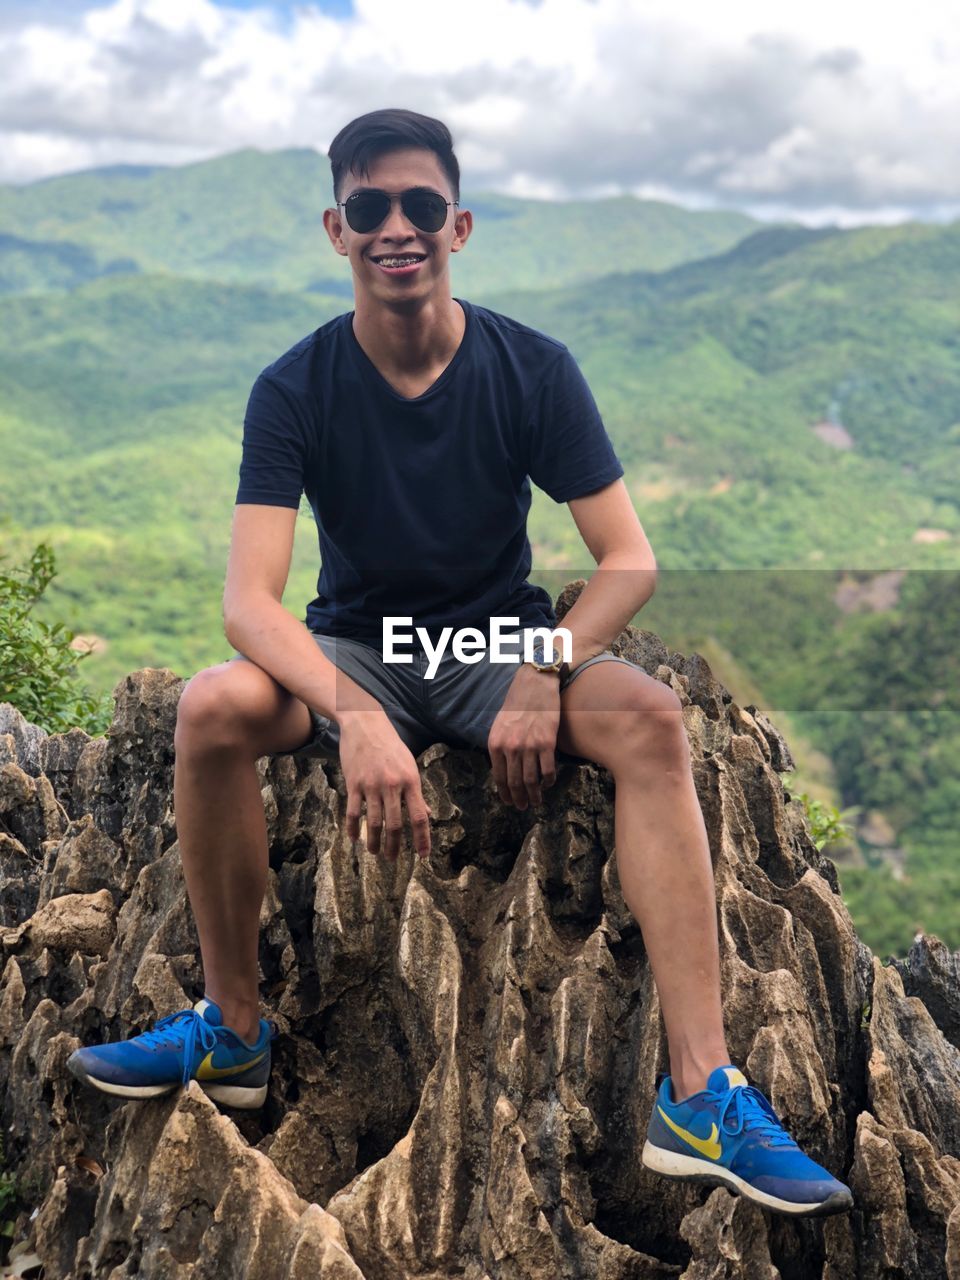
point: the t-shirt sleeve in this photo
(275, 447)
(570, 453)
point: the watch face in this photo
(542, 656)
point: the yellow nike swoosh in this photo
(207, 1071)
(709, 1147)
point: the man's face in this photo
(397, 236)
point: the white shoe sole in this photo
(228, 1095)
(232, 1095)
(671, 1164)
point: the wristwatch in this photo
(542, 660)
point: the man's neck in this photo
(412, 342)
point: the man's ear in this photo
(462, 228)
(333, 224)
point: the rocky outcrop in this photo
(468, 1045)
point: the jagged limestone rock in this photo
(932, 972)
(468, 1045)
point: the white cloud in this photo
(846, 111)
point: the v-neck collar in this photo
(434, 387)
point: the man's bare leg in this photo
(229, 716)
(630, 723)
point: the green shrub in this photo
(38, 668)
(827, 825)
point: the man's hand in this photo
(380, 770)
(523, 738)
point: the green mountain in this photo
(786, 403)
(256, 218)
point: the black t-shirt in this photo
(421, 504)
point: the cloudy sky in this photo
(827, 111)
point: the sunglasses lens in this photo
(367, 209)
(425, 209)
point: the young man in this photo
(414, 424)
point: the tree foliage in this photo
(38, 668)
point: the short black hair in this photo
(391, 129)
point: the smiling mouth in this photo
(398, 262)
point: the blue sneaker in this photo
(190, 1044)
(729, 1135)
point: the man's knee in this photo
(651, 702)
(650, 723)
(219, 706)
(645, 722)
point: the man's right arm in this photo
(256, 623)
(378, 768)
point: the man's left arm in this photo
(571, 457)
(626, 570)
(522, 741)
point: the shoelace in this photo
(170, 1030)
(754, 1112)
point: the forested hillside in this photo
(786, 403)
(255, 218)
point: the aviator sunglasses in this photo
(366, 209)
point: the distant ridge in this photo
(103, 171)
(255, 217)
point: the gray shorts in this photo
(457, 706)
